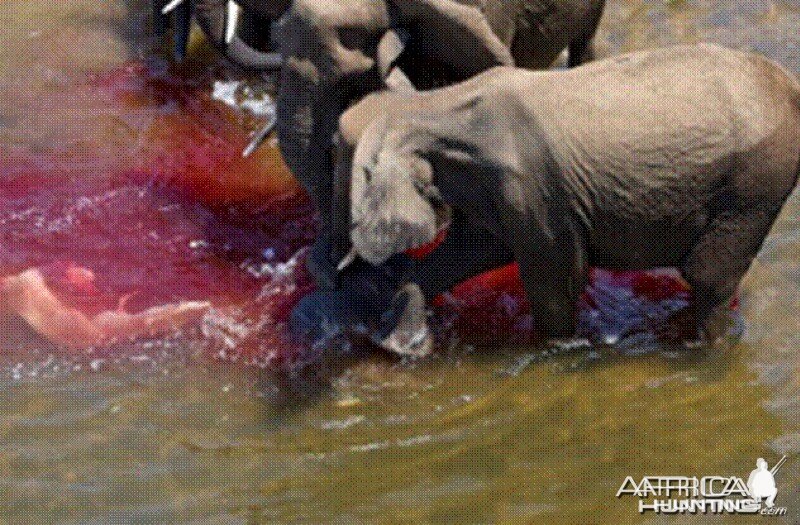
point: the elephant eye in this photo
(421, 187)
(368, 173)
(429, 191)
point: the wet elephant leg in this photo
(722, 255)
(468, 250)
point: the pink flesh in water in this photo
(166, 210)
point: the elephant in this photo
(331, 59)
(220, 21)
(675, 157)
(333, 53)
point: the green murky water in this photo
(467, 437)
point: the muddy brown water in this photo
(161, 433)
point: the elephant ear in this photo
(459, 35)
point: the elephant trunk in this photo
(213, 17)
(321, 76)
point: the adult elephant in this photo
(528, 167)
(336, 52)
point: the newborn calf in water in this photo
(677, 157)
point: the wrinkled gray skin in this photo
(330, 52)
(678, 157)
(256, 22)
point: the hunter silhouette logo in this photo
(761, 482)
(709, 494)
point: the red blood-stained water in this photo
(172, 212)
(175, 213)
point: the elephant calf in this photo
(677, 157)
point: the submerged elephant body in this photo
(679, 157)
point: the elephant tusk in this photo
(233, 11)
(170, 6)
(261, 136)
(390, 48)
(397, 80)
(348, 259)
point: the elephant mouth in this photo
(377, 237)
(444, 214)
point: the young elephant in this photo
(677, 157)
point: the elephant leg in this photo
(182, 28)
(580, 52)
(716, 264)
(553, 288)
(554, 271)
(467, 251)
(160, 20)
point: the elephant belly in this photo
(641, 243)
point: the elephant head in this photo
(219, 20)
(394, 203)
(330, 52)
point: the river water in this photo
(112, 161)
